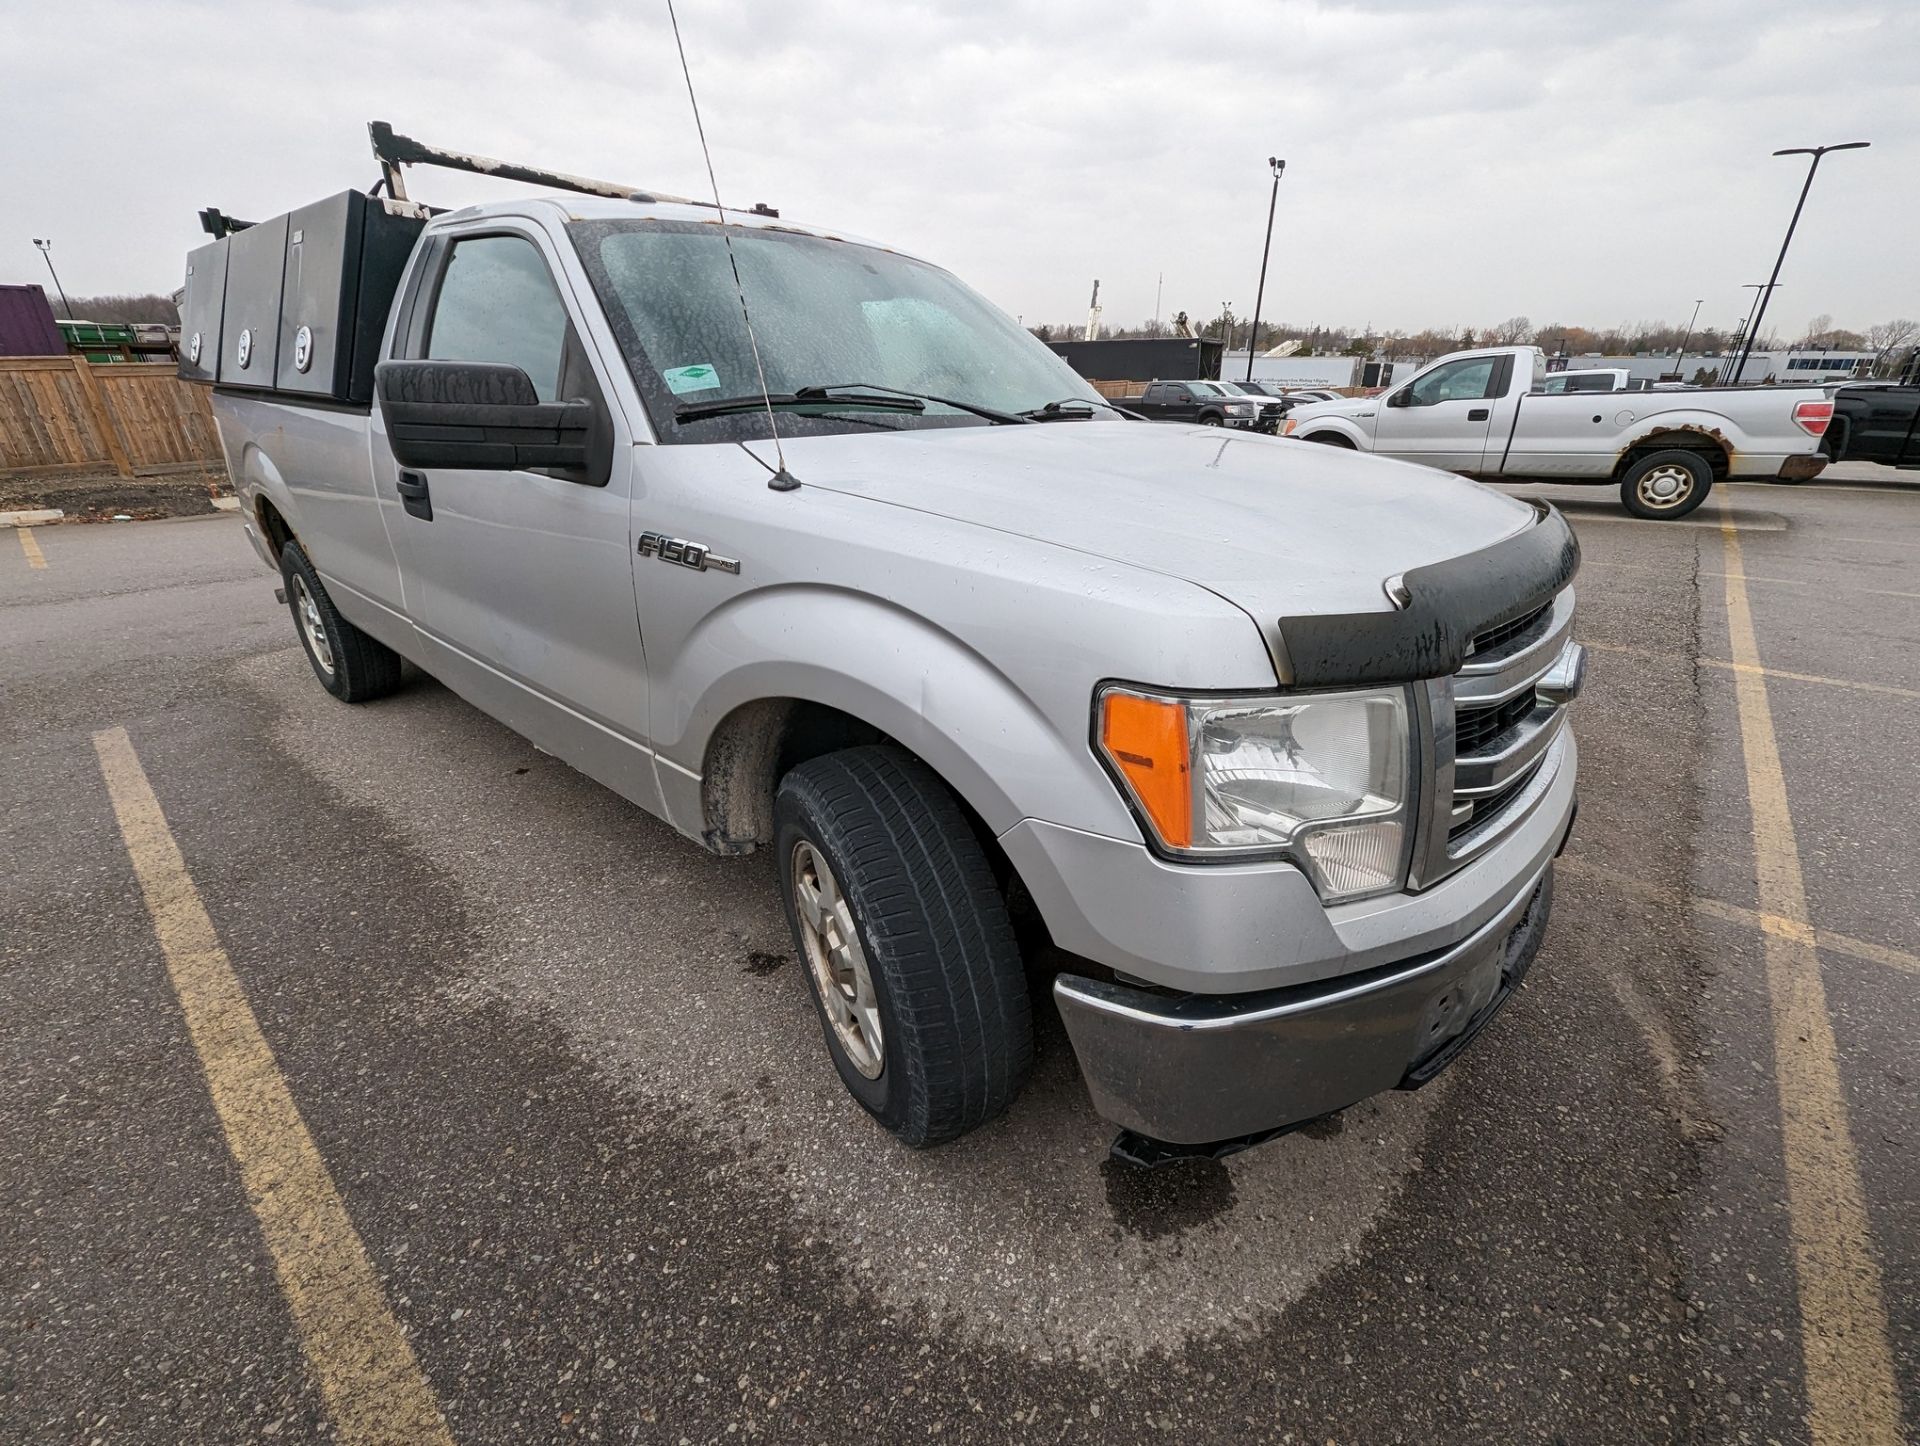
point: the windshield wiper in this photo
(805, 397)
(832, 393)
(1071, 409)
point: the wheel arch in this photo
(787, 673)
(1709, 441)
(1330, 437)
(759, 742)
(272, 522)
(1333, 430)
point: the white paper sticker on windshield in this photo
(700, 377)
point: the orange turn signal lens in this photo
(1146, 740)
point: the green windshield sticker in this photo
(700, 377)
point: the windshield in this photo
(826, 314)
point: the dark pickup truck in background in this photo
(1875, 422)
(1212, 404)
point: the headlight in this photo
(1239, 406)
(1321, 778)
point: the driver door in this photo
(520, 583)
(1444, 416)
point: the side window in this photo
(1467, 380)
(497, 303)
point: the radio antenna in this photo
(782, 480)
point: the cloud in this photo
(1448, 164)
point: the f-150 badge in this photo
(687, 554)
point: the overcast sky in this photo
(1448, 164)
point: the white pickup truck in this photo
(1485, 413)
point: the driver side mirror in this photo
(1401, 398)
(482, 415)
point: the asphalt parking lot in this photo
(536, 1099)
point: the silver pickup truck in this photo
(1490, 413)
(1274, 739)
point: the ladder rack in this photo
(394, 151)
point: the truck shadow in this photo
(666, 970)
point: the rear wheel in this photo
(350, 665)
(1665, 485)
(909, 953)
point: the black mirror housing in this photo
(1401, 398)
(481, 415)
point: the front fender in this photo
(1361, 438)
(991, 741)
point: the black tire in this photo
(1676, 465)
(355, 668)
(955, 1025)
(1212, 419)
(1329, 439)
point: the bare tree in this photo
(148, 307)
(1819, 330)
(1887, 338)
(1511, 332)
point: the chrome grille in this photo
(1475, 728)
(1497, 639)
(1482, 811)
(1494, 731)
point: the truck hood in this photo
(1281, 528)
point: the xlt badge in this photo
(687, 554)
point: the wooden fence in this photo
(64, 414)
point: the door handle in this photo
(412, 487)
(1478, 414)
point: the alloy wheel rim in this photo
(837, 961)
(307, 611)
(1666, 486)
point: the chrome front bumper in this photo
(1215, 1069)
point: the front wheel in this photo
(906, 943)
(1665, 485)
(1212, 422)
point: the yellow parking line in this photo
(1822, 582)
(1833, 943)
(1851, 1394)
(1819, 582)
(1733, 667)
(367, 1372)
(30, 545)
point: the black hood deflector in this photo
(1448, 603)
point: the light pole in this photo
(1816, 152)
(1279, 169)
(1680, 357)
(1740, 337)
(1226, 325)
(46, 250)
